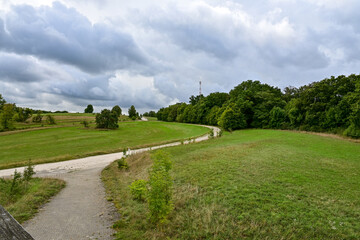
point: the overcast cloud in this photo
(63, 55)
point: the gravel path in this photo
(80, 211)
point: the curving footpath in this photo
(80, 210)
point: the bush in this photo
(211, 133)
(107, 119)
(15, 184)
(85, 123)
(50, 119)
(160, 188)
(352, 131)
(232, 119)
(122, 164)
(28, 172)
(37, 118)
(138, 190)
(220, 133)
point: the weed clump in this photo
(122, 164)
(138, 189)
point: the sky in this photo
(66, 54)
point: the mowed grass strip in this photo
(251, 184)
(24, 204)
(63, 143)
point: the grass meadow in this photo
(24, 201)
(251, 184)
(68, 139)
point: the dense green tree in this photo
(328, 105)
(117, 110)
(37, 118)
(106, 119)
(195, 99)
(6, 116)
(277, 117)
(2, 102)
(132, 113)
(22, 114)
(89, 109)
(232, 118)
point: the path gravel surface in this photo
(80, 211)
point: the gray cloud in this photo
(64, 35)
(154, 54)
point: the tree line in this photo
(10, 113)
(330, 105)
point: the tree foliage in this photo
(117, 110)
(107, 119)
(89, 109)
(6, 116)
(330, 105)
(132, 113)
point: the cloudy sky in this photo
(65, 54)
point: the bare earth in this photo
(80, 211)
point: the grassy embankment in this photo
(26, 198)
(69, 139)
(251, 184)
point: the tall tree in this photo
(2, 102)
(89, 109)
(6, 116)
(132, 112)
(117, 110)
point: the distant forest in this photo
(331, 105)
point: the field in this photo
(68, 139)
(24, 201)
(251, 184)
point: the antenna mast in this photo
(200, 88)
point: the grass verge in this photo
(24, 204)
(251, 184)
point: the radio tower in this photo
(200, 88)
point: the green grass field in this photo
(251, 184)
(24, 203)
(69, 139)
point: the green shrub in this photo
(106, 119)
(37, 118)
(211, 133)
(352, 131)
(85, 123)
(15, 184)
(28, 172)
(220, 133)
(138, 189)
(160, 188)
(122, 164)
(50, 119)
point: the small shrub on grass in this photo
(28, 172)
(211, 133)
(160, 191)
(220, 133)
(37, 118)
(85, 123)
(15, 184)
(138, 189)
(122, 164)
(50, 120)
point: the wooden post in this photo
(10, 229)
